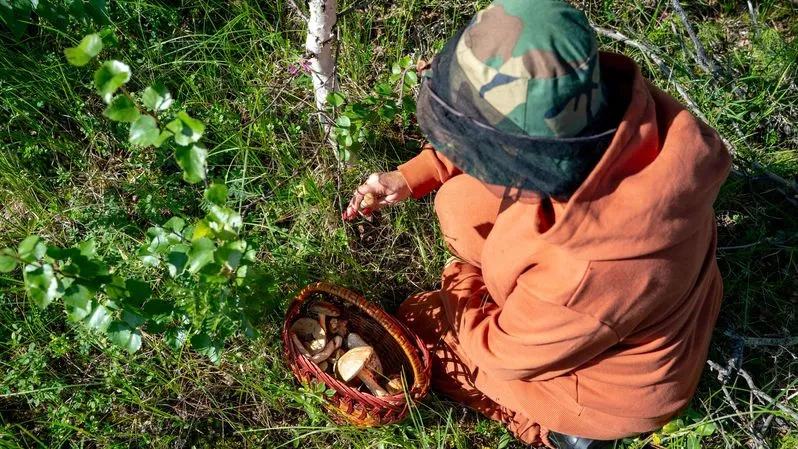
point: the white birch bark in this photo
(319, 45)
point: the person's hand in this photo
(380, 189)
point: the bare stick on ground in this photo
(701, 54)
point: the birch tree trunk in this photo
(319, 45)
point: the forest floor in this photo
(67, 173)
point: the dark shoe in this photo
(561, 441)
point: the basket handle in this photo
(396, 329)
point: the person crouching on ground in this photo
(577, 199)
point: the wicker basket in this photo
(400, 351)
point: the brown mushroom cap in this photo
(363, 363)
(368, 201)
(309, 331)
(324, 308)
(351, 363)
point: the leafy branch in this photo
(212, 287)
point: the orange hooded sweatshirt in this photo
(611, 297)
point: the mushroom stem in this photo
(322, 321)
(328, 350)
(299, 346)
(368, 378)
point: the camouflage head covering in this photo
(516, 97)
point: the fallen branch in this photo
(765, 397)
(748, 427)
(761, 341)
(701, 55)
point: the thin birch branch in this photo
(761, 341)
(702, 58)
(752, 12)
(765, 397)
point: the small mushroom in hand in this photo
(368, 202)
(324, 309)
(309, 331)
(328, 350)
(361, 363)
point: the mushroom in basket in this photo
(362, 363)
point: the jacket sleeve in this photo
(527, 338)
(427, 171)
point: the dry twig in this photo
(701, 55)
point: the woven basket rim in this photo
(410, 344)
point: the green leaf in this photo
(343, 122)
(42, 285)
(706, 429)
(388, 111)
(176, 262)
(411, 79)
(175, 224)
(8, 260)
(384, 89)
(202, 229)
(89, 47)
(158, 310)
(230, 254)
(405, 62)
(124, 336)
(122, 109)
(99, 318)
(132, 318)
(110, 77)
(186, 129)
(193, 162)
(673, 426)
(216, 193)
(78, 301)
(224, 222)
(32, 248)
(201, 254)
(175, 337)
(55, 14)
(88, 247)
(156, 97)
(335, 99)
(138, 291)
(144, 131)
(97, 10)
(16, 15)
(203, 344)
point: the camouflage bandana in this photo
(516, 98)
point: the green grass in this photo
(67, 173)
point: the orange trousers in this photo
(453, 374)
